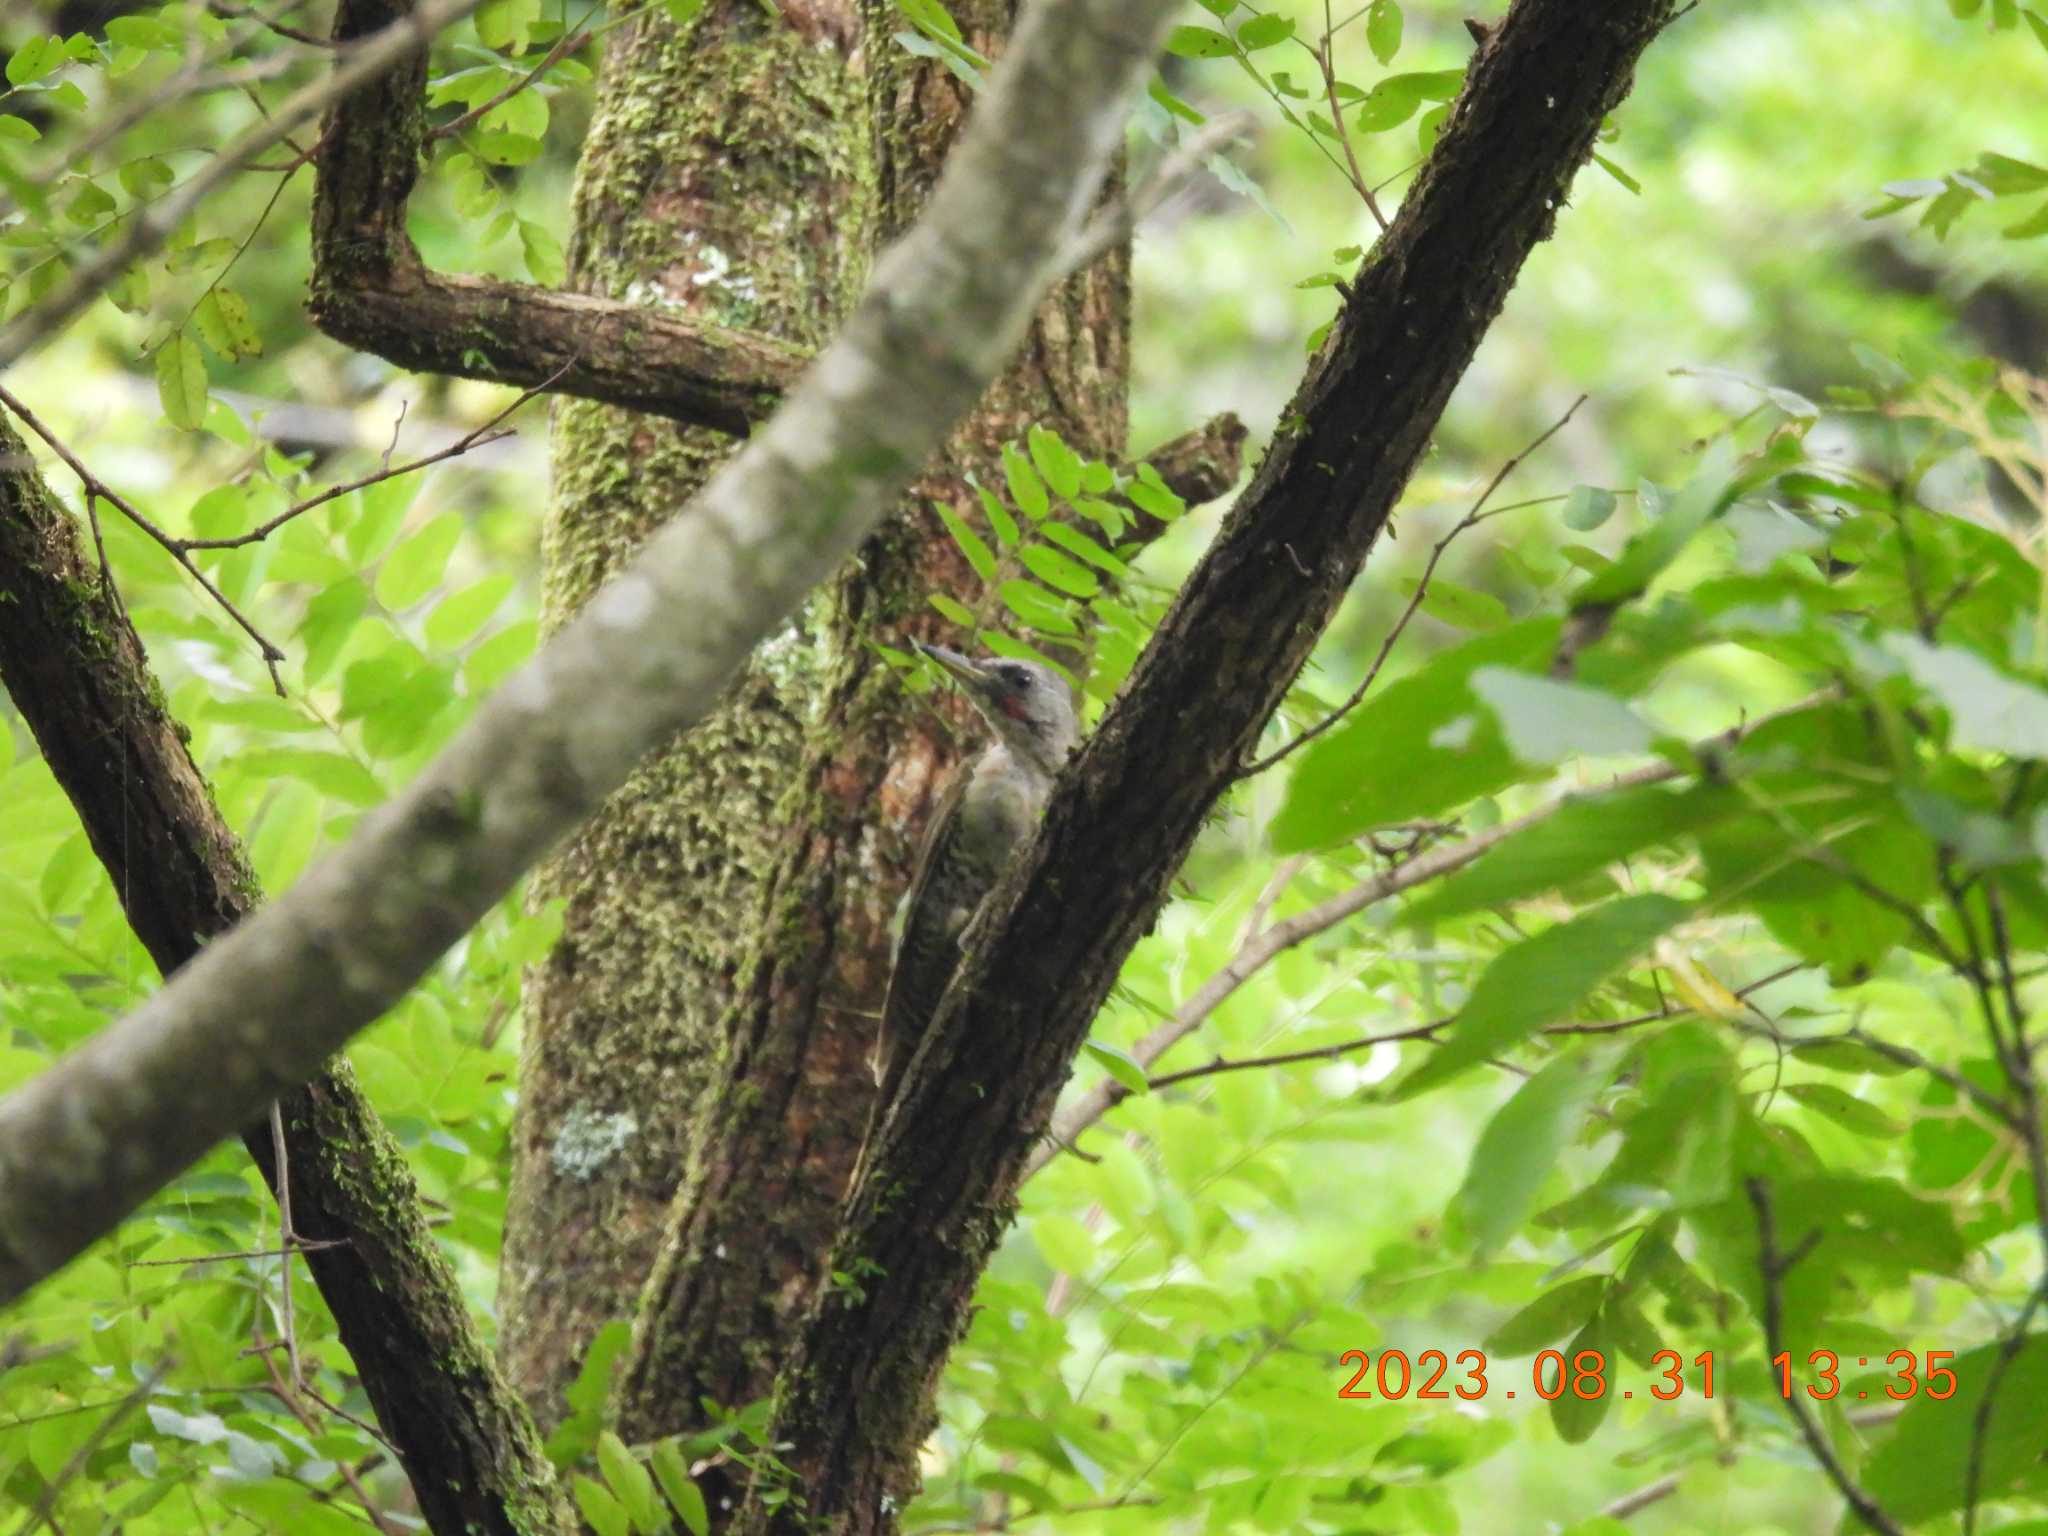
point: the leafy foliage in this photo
(1702, 805)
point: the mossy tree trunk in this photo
(698, 1039)
(725, 177)
(776, 1139)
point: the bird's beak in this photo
(963, 669)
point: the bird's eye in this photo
(1020, 679)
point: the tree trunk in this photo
(725, 177)
(707, 1014)
(779, 1133)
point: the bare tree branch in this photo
(1775, 1264)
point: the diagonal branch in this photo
(1047, 948)
(75, 669)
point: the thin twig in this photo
(298, 1245)
(1774, 1267)
(94, 486)
(1639, 1499)
(285, 1238)
(1469, 520)
(1980, 1423)
(1260, 949)
(1313, 1053)
(1114, 224)
(289, 1394)
(1435, 1026)
(1323, 61)
(229, 12)
(41, 1514)
(482, 436)
(563, 45)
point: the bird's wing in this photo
(902, 1019)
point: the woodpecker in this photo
(987, 813)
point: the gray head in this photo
(1027, 704)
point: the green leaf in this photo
(1038, 608)
(1922, 1469)
(35, 59)
(2038, 25)
(505, 148)
(225, 324)
(1588, 507)
(978, 553)
(1383, 30)
(1172, 104)
(1847, 1056)
(1542, 979)
(1150, 494)
(498, 657)
(19, 129)
(1650, 551)
(631, 1483)
(1416, 747)
(525, 113)
(1000, 522)
(1857, 1116)
(1026, 489)
(931, 16)
(459, 615)
(1463, 607)
(545, 262)
(181, 381)
(506, 24)
(1588, 833)
(2031, 227)
(1549, 1317)
(1546, 721)
(1064, 1243)
(1988, 711)
(1078, 543)
(1058, 463)
(415, 568)
(952, 610)
(1577, 1410)
(1389, 104)
(1120, 1064)
(146, 177)
(1617, 173)
(1521, 1144)
(1428, 126)
(1059, 571)
(672, 1471)
(605, 1514)
(1264, 32)
(1198, 43)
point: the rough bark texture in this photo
(76, 670)
(855, 1402)
(775, 1135)
(371, 290)
(725, 179)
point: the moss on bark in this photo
(725, 177)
